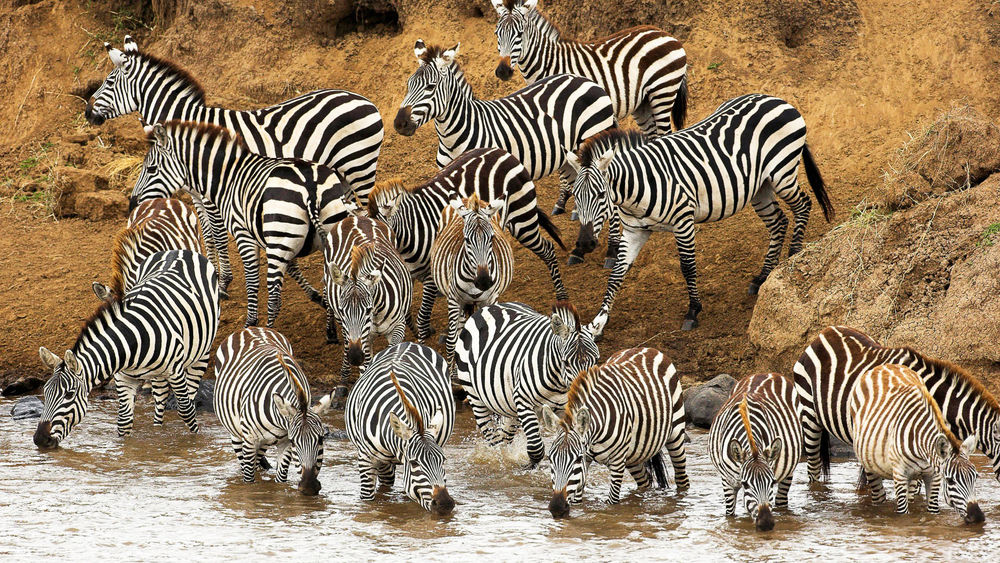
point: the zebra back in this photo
(157, 225)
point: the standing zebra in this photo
(404, 385)
(262, 398)
(643, 69)
(163, 326)
(620, 414)
(336, 128)
(414, 214)
(511, 360)
(828, 369)
(755, 443)
(278, 205)
(748, 151)
(471, 261)
(537, 124)
(901, 434)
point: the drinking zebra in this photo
(900, 434)
(414, 214)
(511, 360)
(537, 124)
(339, 129)
(642, 68)
(262, 398)
(404, 385)
(471, 261)
(620, 414)
(748, 151)
(755, 443)
(828, 369)
(267, 203)
(163, 326)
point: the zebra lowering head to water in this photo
(755, 443)
(282, 206)
(642, 68)
(262, 398)
(537, 124)
(620, 414)
(162, 327)
(747, 152)
(900, 434)
(404, 386)
(511, 360)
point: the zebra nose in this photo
(483, 280)
(504, 70)
(355, 353)
(43, 435)
(974, 514)
(586, 241)
(402, 123)
(558, 506)
(441, 501)
(309, 485)
(93, 117)
(765, 520)
(133, 202)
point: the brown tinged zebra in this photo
(620, 414)
(900, 434)
(755, 443)
(828, 368)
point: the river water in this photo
(165, 494)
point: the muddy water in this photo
(164, 494)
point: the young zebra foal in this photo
(262, 398)
(755, 443)
(404, 385)
(620, 414)
(900, 434)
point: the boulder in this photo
(202, 400)
(702, 402)
(98, 206)
(23, 386)
(71, 183)
(26, 408)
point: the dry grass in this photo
(123, 172)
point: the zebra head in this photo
(958, 477)
(65, 396)
(422, 456)
(353, 301)
(568, 457)
(162, 173)
(593, 202)
(305, 430)
(393, 204)
(757, 480)
(576, 342)
(511, 22)
(428, 89)
(479, 228)
(118, 95)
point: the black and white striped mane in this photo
(192, 87)
(577, 394)
(949, 370)
(622, 139)
(202, 131)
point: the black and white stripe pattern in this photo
(262, 398)
(405, 385)
(162, 327)
(537, 124)
(642, 69)
(747, 152)
(755, 443)
(278, 205)
(511, 360)
(414, 214)
(620, 414)
(900, 434)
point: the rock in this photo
(202, 399)
(71, 183)
(23, 386)
(703, 401)
(78, 138)
(27, 407)
(98, 206)
(336, 434)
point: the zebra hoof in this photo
(574, 260)
(574, 216)
(689, 324)
(609, 263)
(558, 210)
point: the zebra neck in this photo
(543, 53)
(102, 350)
(238, 169)
(175, 99)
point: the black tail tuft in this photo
(550, 227)
(862, 484)
(655, 463)
(824, 455)
(680, 110)
(816, 182)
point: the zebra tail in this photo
(656, 464)
(680, 109)
(816, 182)
(824, 455)
(550, 227)
(862, 484)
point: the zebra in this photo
(748, 151)
(403, 386)
(471, 261)
(369, 288)
(280, 205)
(620, 414)
(414, 214)
(755, 442)
(900, 433)
(829, 367)
(262, 398)
(339, 129)
(163, 326)
(511, 360)
(643, 69)
(537, 124)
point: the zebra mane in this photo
(942, 424)
(948, 369)
(104, 310)
(746, 425)
(192, 85)
(300, 391)
(124, 240)
(411, 411)
(577, 393)
(549, 28)
(432, 52)
(596, 146)
(361, 255)
(566, 307)
(202, 130)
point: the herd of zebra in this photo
(300, 176)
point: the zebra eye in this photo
(151, 169)
(68, 394)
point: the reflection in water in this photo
(165, 493)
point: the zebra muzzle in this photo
(403, 124)
(43, 435)
(355, 353)
(309, 485)
(559, 506)
(974, 514)
(504, 70)
(764, 520)
(483, 279)
(93, 117)
(441, 501)
(586, 241)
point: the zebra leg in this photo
(643, 115)
(678, 458)
(902, 486)
(508, 429)
(790, 192)
(386, 475)
(684, 237)
(544, 249)
(367, 473)
(876, 488)
(781, 498)
(396, 336)
(614, 239)
(812, 439)
(484, 420)
(729, 494)
(161, 391)
(454, 327)
(427, 296)
(617, 476)
(213, 229)
(933, 484)
(195, 372)
(345, 365)
(251, 271)
(766, 207)
(284, 462)
(126, 387)
(632, 242)
(566, 178)
(276, 267)
(529, 422)
(248, 461)
(641, 475)
(185, 402)
(296, 274)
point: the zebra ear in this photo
(374, 277)
(969, 445)
(49, 359)
(736, 451)
(942, 446)
(160, 133)
(102, 291)
(399, 427)
(117, 57)
(494, 206)
(581, 420)
(449, 55)
(71, 364)
(498, 6)
(337, 275)
(285, 408)
(527, 6)
(549, 419)
(559, 328)
(323, 406)
(771, 452)
(573, 161)
(605, 160)
(419, 48)
(130, 45)
(436, 421)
